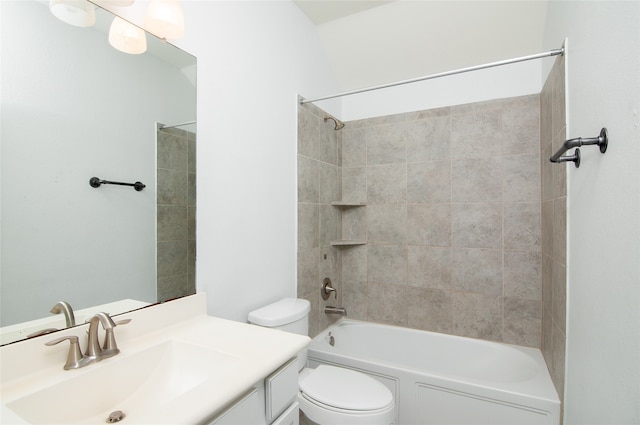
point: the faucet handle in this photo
(74, 357)
(110, 347)
(327, 289)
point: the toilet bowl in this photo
(328, 395)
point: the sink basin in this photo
(140, 385)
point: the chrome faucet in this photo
(65, 307)
(94, 352)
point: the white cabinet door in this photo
(281, 389)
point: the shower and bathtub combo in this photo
(358, 372)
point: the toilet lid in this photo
(345, 389)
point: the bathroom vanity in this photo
(176, 366)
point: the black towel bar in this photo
(96, 182)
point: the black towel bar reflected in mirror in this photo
(96, 182)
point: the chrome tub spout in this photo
(329, 309)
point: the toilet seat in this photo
(345, 389)
(335, 395)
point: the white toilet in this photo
(328, 395)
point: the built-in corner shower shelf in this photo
(344, 205)
(348, 243)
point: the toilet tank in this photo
(288, 314)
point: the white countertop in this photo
(29, 365)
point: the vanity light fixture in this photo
(165, 19)
(126, 37)
(80, 13)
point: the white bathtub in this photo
(444, 379)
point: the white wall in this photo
(409, 39)
(253, 59)
(64, 121)
(603, 324)
(495, 83)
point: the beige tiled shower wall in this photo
(554, 223)
(176, 197)
(452, 222)
(319, 178)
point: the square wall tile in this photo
(387, 264)
(308, 132)
(522, 178)
(522, 322)
(387, 144)
(428, 139)
(559, 236)
(477, 225)
(477, 270)
(172, 223)
(522, 226)
(354, 223)
(328, 230)
(386, 184)
(521, 125)
(328, 185)
(523, 274)
(354, 184)
(387, 304)
(429, 309)
(354, 147)
(476, 180)
(477, 316)
(173, 151)
(308, 180)
(308, 226)
(429, 267)
(308, 272)
(354, 264)
(172, 187)
(429, 182)
(387, 223)
(172, 258)
(354, 296)
(477, 134)
(429, 224)
(328, 142)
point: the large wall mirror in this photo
(74, 108)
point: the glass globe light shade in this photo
(165, 19)
(79, 13)
(126, 37)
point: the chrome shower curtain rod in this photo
(554, 52)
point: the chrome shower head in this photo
(339, 125)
